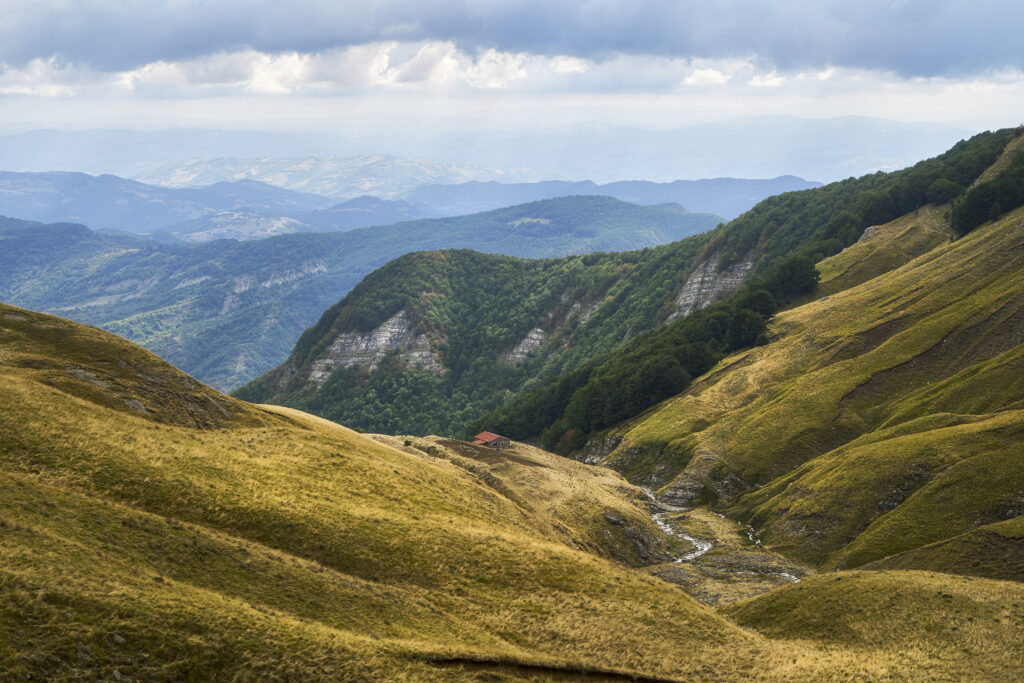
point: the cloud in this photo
(40, 78)
(706, 77)
(924, 38)
(768, 80)
(388, 65)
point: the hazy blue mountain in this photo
(757, 147)
(361, 212)
(728, 197)
(339, 177)
(108, 201)
(365, 211)
(233, 225)
(226, 311)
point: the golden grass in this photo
(274, 545)
(939, 626)
(881, 418)
(890, 246)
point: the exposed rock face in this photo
(631, 543)
(367, 349)
(530, 343)
(582, 312)
(868, 233)
(706, 284)
(596, 450)
(1013, 509)
(698, 474)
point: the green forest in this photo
(795, 230)
(621, 359)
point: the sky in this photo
(505, 64)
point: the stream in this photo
(661, 519)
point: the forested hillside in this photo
(787, 234)
(561, 350)
(227, 311)
(432, 340)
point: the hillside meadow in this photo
(154, 529)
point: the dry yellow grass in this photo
(882, 418)
(223, 541)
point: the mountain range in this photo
(227, 311)
(251, 209)
(109, 202)
(756, 147)
(330, 176)
(727, 197)
(563, 349)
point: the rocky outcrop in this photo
(706, 285)
(631, 542)
(367, 349)
(869, 232)
(597, 449)
(703, 472)
(533, 340)
(581, 312)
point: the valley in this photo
(500, 342)
(155, 529)
(786, 450)
(716, 560)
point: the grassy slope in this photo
(273, 544)
(888, 247)
(278, 544)
(993, 550)
(970, 625)
(880, 419)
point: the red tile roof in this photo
(486, 438)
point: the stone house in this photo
(492, 440)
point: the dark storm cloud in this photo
(912, 37)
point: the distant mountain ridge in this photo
(726, 197)
(448, 190)
(253, 209)
(227, 311)
(756, 147)
(339, 177)
(111, 202)
(361, 212)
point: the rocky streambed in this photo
(715, 559)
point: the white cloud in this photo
(706, 77)
(495, 69)
(38, 78)
(768, 80)
(564, 64)
(279, 74)
(629, 87)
